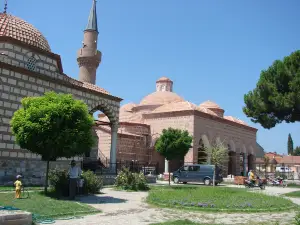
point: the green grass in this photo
(11, 188)
(45, 206)
(217, 199)
(179, 222)
(293, 185)
(294, 194)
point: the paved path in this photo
(121, 208)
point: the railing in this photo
(136, 167)
(103, 159)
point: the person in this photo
(18, 185)
(74, 174)
(252, 177)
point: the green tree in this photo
(276, 97)
(173, 144)
(290, 145)
(217, 155)
(53, 126)
(297, 151)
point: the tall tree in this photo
(276, 97)
(297, 151)
(53, 126)
(217, 155)
(290, 145)
(173, 144)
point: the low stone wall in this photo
(33, 171)
(15, 218)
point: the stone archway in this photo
(202, 157)
(251, 162)
(112, 114)
(108, 110)
(231, 168)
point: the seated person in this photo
(252, 177)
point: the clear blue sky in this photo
(212, 50)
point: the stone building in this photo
(141, 124)
(28, 67)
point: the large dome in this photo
(161, 98)
(14, 27)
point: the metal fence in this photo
(115, 168)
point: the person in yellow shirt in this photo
(252, 177)
(18, 185)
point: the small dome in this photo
(210, 105)
(161, 98)
(206, 110)
(127, 107)
(164, 79)
(14, 27)
(176, 106)
(231, 118)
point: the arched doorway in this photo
(251, 162)
(202, 156)
(231, 161)
(106, 127)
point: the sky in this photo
(211, 49)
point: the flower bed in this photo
(217, 199)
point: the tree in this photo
(276, 97)
(296, 151)
(217, 155)
(290, 145)
(53, 126)
(173, 144)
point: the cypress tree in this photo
(290, 145)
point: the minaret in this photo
(88, 57)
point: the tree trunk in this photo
(46, 179)
(169, 173)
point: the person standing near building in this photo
(74, 174)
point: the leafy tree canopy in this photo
(217, 153)
(296, 151)
(53, 126)
(276, 97)
(173, 143)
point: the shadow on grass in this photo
(87, 199)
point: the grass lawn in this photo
(11, 188)
(217, 199)
(46, 207)
(293, 185)
(294, 194)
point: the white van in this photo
(283, 169)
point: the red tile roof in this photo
(12, 26)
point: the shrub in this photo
(297, 219)
(92, 183)
(131, 181)
(59, 181)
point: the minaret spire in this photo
(88, 57)
(92, 22)
(5, 6)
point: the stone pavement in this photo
(122, 208)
